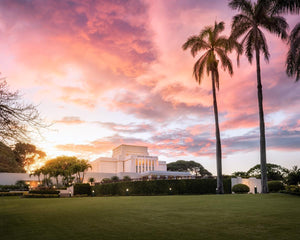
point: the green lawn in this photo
(272, 216)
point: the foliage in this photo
(292, 189)
(82, 188)
(21, 185)
(32, 195)
(44, 191)
(91, 180)
(10, 194)
(240, 188)
(115, 178)
(188, 166)
(293, 57)
(106, 180)
(274, 172)
(126, 178)
(162, 187)
(26, 154)
(293, 177)
(240, 174)
(275, 186)
(8, 162)
(17, 119)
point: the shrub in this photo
(44, 191)
(126, 178)
(7, 188)
(161, 187)
(9, 194)
(275, 186)
(82, 188)
(106, 180)
(115, 178)
(240, 188)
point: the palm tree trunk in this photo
(220, 189)
(263, 157)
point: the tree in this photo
(91, 180)
(17, 119)
(37, 172)
(8, 162)
(274, 172)
(248, 24)
(240, 174)
(80, 166)
(293, 177)
(216, 48)
(188, 166)
(26, 154)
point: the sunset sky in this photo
(107, 73)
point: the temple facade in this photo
(128, 159)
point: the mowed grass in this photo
(272, 216)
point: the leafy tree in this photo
(115, 178)
(274, 172)
(80, 166)
(248, 25)
(126, 178)
(8, 161)
(215, 49)
(17, 119)
(188, 166)
(26, 154)
(293, 177)
(240, 174)
(91, 180)
(37, 172)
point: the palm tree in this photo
(248, 24)
(293, 58)
(214, 45)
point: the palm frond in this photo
(240, 25)
(196, 44)
(293, 57)
(243, 5)
(285, 6)
(199, 67)
(225, 60)
(276, 25)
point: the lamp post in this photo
(93, 193)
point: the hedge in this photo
(82, 188)
(46, 191)
(275, 186)
(32, 195)
(9, 194)
(161, 187)
(7, 188)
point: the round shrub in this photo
(275, 186)
(240, 188)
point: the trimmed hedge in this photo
(32, 195)
(7, 188)
(161, 187)
(82, 188)
(9, 194)
(46, 191)
(240, 188)
(275, 186)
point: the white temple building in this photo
(133, 161)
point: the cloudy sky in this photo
(113, 72)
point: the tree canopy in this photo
(274, 171)
(188, 166)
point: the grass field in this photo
(272, 216)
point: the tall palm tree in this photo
(215, 49)
(248, 24)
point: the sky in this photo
(105, 73)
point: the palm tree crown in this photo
(251, 20)
(209, 41)
(293, 58)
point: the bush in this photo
(240, 188)
(275, 186)
(161, 187)
(106, 180)
(32, 195)
(115, 178)
(82, 188)
(44, 191)
(126, 178)
(7, 188)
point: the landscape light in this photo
(170, 189)
(127, 189)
